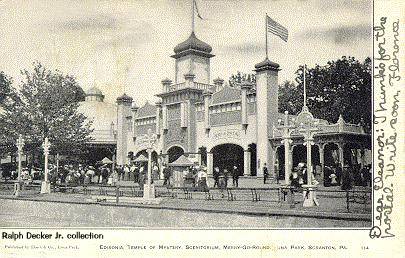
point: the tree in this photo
(5, 87)
(236, 79)
(288, 98)
(339, 87)
(46, 106)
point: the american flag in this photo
(276, 28)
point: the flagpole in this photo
(305, 87)
(265, 25)
(192, 16)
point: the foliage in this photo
(45, 105)
(5, 87)
(236, 79)
(339, 87)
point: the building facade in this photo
(218, 125)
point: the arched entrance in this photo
(299, 155)
(174, 153)
(331, 154)
(144, 153)
(227, 156)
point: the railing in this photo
(350, 201)
(334, 128)
(183, 85)
(175, 87)
(324, 129)
(202, 86)
(352, 128)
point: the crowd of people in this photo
(346, 177)
(192, 176)
(78, 174)
(221, 176)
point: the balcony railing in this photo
(183, 85)
(325, 129)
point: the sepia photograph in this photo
(186, 114)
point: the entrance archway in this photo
(228, 155)
(145, 154)
(174, 153)
(299, 155)
(331, 154)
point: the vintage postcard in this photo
(202, 128)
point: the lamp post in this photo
(20, 146)
(45, 186)
(149, 189)
(308, 130)
(114, 135)
(286, 129)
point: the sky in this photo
(125, 46)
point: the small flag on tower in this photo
(276, 28)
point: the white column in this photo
(246, 163)
(210, 163)
(207, 98)
(322, 156)
(309, 162)
(20, 146)
(158, 109)
(183, 114)
(149, 166)
(276, 163)
(45, 186)
(287, 160)
(341, 154)
(164, 117)
(244, 103)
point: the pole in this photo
(46, 159)
(265, 26)
(149, 167)
(309, 161)
(305, 87)
(19, 164)
(20, 146)
(192, 16)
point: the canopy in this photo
(106, 161)
(182, 161)
(141, 158)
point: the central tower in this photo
(192, 56)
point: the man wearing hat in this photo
(347, 178)
(235, 176)
(166, 174)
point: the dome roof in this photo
(267, 64)
(193, 43)
(94, 91)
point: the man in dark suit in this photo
(265, 173)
